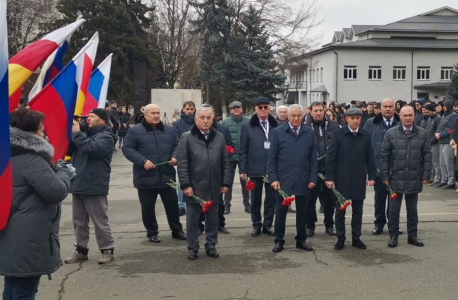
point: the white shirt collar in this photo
(353, 130)
(291, 126)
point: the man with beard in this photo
(322, 128)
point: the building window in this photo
(399, 73)
(317, 75)
(321, 74)
(423, 73)
(350, 72)
(446, 73)
(375, 73)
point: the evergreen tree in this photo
(452, 91)
(122, 27)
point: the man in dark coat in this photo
(405, 165)
(254, 147)
(431, 124)
(292, 165)
(447, 164)
(147, 144)
(114, 117)
(350, 159)
(91, 158)
(377, 127)
(204, 172)
(181, 126)
(322, 128)
(234, 124)
(418, 111)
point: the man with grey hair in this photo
(292, 166)
(282, 114)
(153, 168)
(204, 172)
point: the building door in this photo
(423, 95)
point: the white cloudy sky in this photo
(337, 14)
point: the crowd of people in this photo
(302, 155)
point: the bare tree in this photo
(171, 35)
(28, 20)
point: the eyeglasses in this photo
(263, 107)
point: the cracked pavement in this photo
(247, 269)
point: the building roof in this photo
(320, 89)
(357, 29)
(346, 32)
(401, 43)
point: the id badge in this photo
(267, 145)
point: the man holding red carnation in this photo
(292, 168)
(349, 162)
(405, 165)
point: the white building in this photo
(409, 59)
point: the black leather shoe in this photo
(248, 208)
(340, 244)
(154, 239)
(377, 230)
(393, 243)
(449, 187)
(310, 232)
(227, 209)
(192, 254)
(179, 235)
(321, 211)
(331, 231)
(303, 246)
(400, 231)
(223, 229)
(182, 211)
(268, 231)
(439, 185)
(358, 244)
(256, 232)
(415, 241)
(212, 253)
(278, 247)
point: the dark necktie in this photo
(264, 124)
(388, 122)
(354, 133)
(407, 131)
(295, 131)
(206, 135)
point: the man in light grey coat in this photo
(204, 172)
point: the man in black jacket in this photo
(91, 158)
(114, 116)
(322, 128)
(254, 148)
(431, 124)
(204, 172)
(405, 165)
(151, 147)
(350, 159)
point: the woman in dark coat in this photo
(29, 244)
(124, 121)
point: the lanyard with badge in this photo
(266, 132)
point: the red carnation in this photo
(394, 196)
(230, 149)
(249, 185)
(450, 131)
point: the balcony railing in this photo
(296, 85)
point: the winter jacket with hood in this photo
(234, 125)
(29, 244)
(446, 123)
(184, 124)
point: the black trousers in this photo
(381, 203)
(327, 200)
(169, 198)
(280, 219)
(193, 213)
(356, 220)
(412, 214)
(256, 203)
(245, 193)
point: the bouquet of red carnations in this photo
(287, 200)
(343, 203)
(205, 204)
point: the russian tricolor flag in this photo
(57, 101)
(6, 184)
(50, 69)
(98, 86)
(23, 64)
(84, 72)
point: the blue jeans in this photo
(181, 204)
(121, 141)
(23, 288)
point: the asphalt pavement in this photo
(247, 268)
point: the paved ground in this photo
(247, 269)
